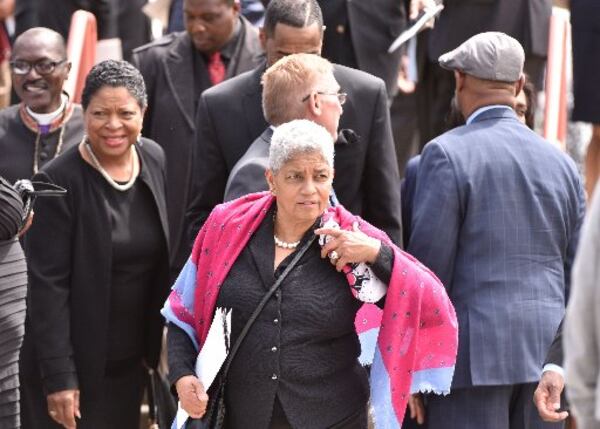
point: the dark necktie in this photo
(216, 68)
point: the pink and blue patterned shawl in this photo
(411, 344)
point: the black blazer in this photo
(525, 20)
(56, 14)
(230, 118)
(366, 29)
(167, 67)
(69, 258)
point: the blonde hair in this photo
(287, 82)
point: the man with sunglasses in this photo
(45, 123)
(230, 118)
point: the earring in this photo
(273, 192)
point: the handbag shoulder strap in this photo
(262, 304)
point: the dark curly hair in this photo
(114, 74)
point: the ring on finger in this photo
(334, 256)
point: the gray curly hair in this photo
(299, 137)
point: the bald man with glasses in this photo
(46, 122)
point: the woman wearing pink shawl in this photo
(301, 365)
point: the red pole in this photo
(81, 51)
(557, 70)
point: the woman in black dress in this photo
(13, 288)
(98, 267)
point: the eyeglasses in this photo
(42, 67)
(341, 96)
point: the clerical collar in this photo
(38, 123)
(45, 119)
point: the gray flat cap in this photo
(491, 56)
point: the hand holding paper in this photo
(193, 399)
(192, 396)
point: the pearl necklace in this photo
(285, 245)
(135, 167)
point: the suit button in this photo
(276, 321)
(274, 349)
(274, 377)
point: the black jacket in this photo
(526, 20)
(359, 33)
(167, 67)
(69, 257)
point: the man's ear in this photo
(459, 79)
(314, 105)
(68, 69)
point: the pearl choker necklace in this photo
(285, 245)
(135, 169)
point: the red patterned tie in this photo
(216, 68)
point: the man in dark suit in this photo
(230, 118)
(218, 43)
(526, 20)
(497, 213)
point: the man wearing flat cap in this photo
(497, 213)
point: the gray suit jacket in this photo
(167, 67)
(582, 325)
(496, 215)
(248, 174)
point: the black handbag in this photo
(214, 418)
(161, 402)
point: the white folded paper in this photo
(425, 16)
(211, 357)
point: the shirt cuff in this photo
(59, 382)
(384, 263)
(555, 368)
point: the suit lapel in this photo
(266, 136)
(245, 56)
(152, 178)
(179, 73)
(255, 119)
